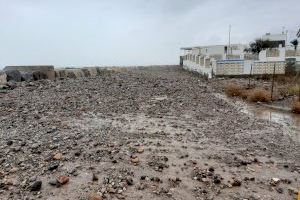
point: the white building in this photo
(203, 59)
(274, 54)
(233, 60)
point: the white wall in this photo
(263, 56)
(191, 66)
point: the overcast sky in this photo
(131, 32)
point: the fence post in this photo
(250, 76)
(273, 83)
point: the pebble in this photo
(236, 183)
(53, 166)
(95, 178)
(36, 186)
(58, 156)
(9, 142)
(63, 179)
(129, 181)
(140, 150)
(135, 160)
(275, 181)
(53, 182)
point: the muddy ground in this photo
(152, 133)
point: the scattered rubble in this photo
(142, 133)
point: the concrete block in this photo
(93, 71)
(3, 78)
(38, 75)
(13, 75)
(74, 73)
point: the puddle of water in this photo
(282, 117)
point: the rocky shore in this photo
(142, 133)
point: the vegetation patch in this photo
(234, 90)
(259, 95)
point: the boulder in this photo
(13, 75)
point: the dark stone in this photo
(217, 180)
(155, 179)
(36, 186)
(236, 183)
(129, 181)
(95, 178)
(77, 153)
(53, 166)
(9, 142)
(279, 190)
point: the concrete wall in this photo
(268, 67)
(192, 66)
(230, 67)
(244, 67)
(270, 56)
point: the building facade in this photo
(219, 60)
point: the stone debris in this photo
(58, 156)
(142, 133)
(275, 181)
(36, 186)
(63, 180)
